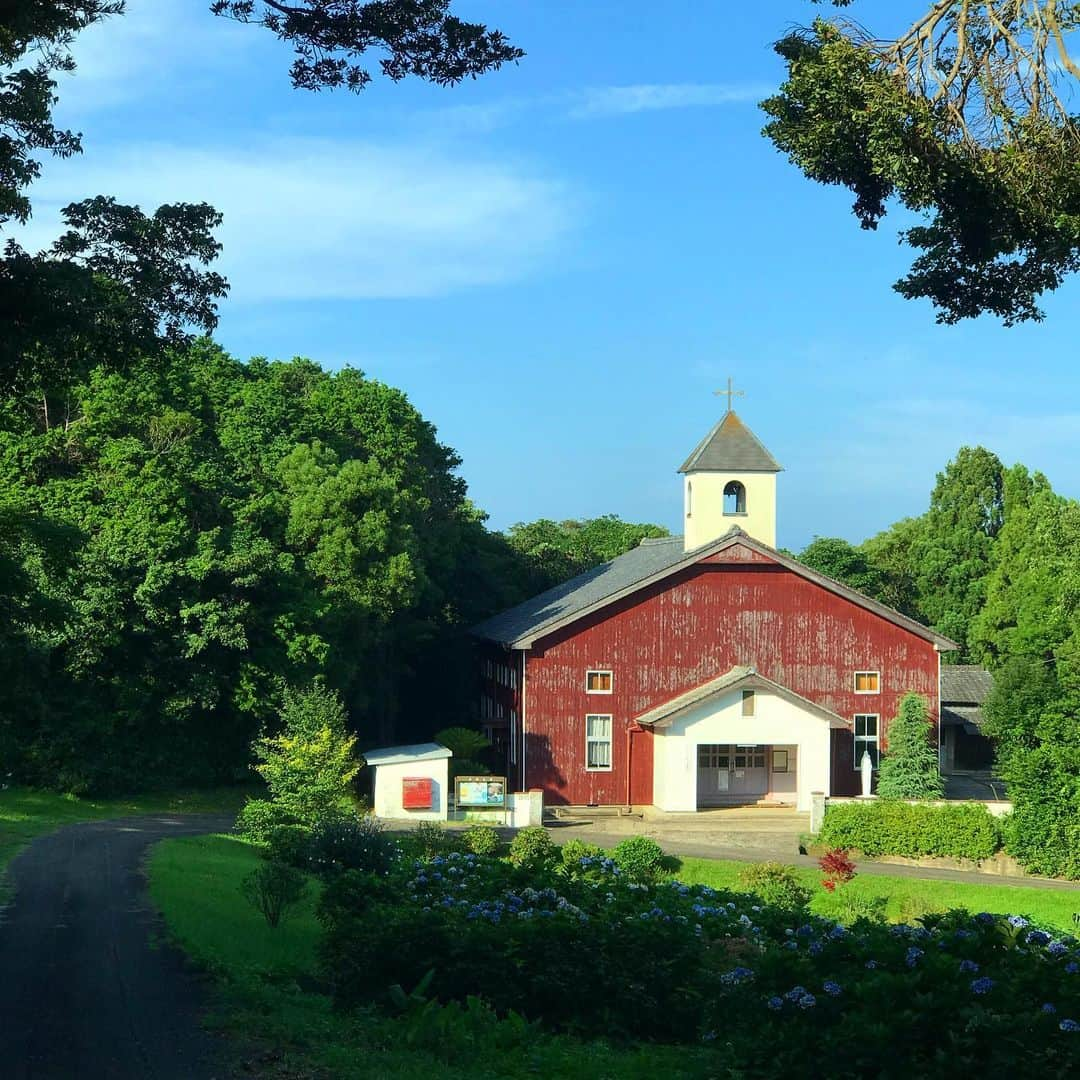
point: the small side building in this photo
(964, 748)
(411, 782)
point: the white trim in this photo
(855, 682)
(609, 739)
(864, 740)
(600, 671)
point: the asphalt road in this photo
(87, 989)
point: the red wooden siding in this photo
(505, 697)
(690, 628)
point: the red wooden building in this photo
(705, 670)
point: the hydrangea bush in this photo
(583, 947)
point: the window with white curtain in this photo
(597, 742)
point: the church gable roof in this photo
(519, 627)
(730, 447)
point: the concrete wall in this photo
(776, 723)
(706, 519)
(388, 789)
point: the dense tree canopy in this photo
(557, 550)
(965, 119)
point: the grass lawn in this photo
(267, 996)
(25, 814)
(908, 898)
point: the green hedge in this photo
(959, 830)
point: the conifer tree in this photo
(909, 766)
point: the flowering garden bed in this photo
(580, 946)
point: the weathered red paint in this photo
(688, 629)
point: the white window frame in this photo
(609, 739)
(600, 671)
(855, 683)
(864, 740)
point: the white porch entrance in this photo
(730, 773)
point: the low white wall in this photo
(776, 722)
(388, 789)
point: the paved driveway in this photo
(86, 993)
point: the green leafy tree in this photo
(954, 550)
(890, 553)
(1033, 716)
(965, 119)
(556, 551)
(309, 765)
(843, 562)
(909, 765)
(202, 532)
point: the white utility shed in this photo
(411, 781)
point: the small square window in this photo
(867, 682)
(598, 682)
(748, 703)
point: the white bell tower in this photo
(729, 479)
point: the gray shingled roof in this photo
(577, 594)
(965, 684)
(730, 446)
(969, 717)
(652, 561)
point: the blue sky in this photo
(560, 262)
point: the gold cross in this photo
(729, 393)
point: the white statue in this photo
(866, 769)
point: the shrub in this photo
(532, 848)
(309, 766)
(836, 869)
(640, 858)
(258, 818)
(573, 851)
(776, 884)
(290, 844)
(350, 843)
(274, 889)
(909, 766)
(481, 839)
(956, 830)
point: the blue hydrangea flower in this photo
(736, 976)
(985, 918)
(1037, 937)
(807, 1001)
(795, 993)
(816, 948)
(1069, 1025)
(982, 985)
(1072, 967)
(968, 965)
(775, 1003)
(791, 945)
(806, 930)
(1057, 948)
(831, 988)
(1049, 1009)
(914, 955)
(838, 932)
(1018, 921)
(870, 965)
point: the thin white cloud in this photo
(646, 97)
(327, 219)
